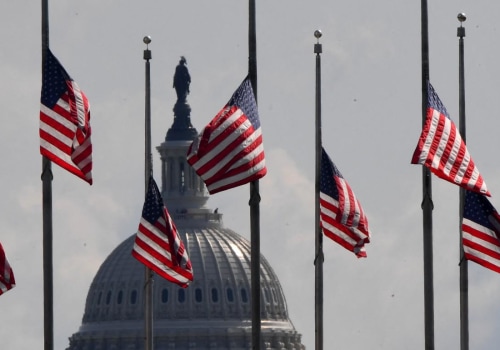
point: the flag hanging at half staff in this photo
(341, 215)
(229, 152)
(442, 149)
(481, 231)
(65, 121)
(158, 244)
(7, 280)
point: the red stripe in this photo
(159, 271)
(162, 259)
(437, 135)
(235, 144)
(481, 235)
(226, 173)
(255, 176)
(482, 262)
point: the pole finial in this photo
(317, 46)
(461, 17)
(147, 53)
(318, 34)
(461, 30)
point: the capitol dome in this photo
(214, 312)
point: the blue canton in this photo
(328, 170)
(478, 208)
(244, 98)
(54, 81)
(153, 206)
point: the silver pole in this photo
(148, 275)
(318, 260)
(464, 270)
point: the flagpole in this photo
(318, 259)
(148, 169)
(427, 205)
(464, 270)
(254, 193)
(48, 289)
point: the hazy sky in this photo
(371, 90)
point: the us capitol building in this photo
(214, 312)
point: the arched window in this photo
(244, 295)
(215, 295)
(133, 297)
(164, 296)
(119, 299)
(229, 294)
(181, 296)
(108, 298)
(198, 295)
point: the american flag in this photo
(64, 121)
(7, 280)
(229, 151)
(442, 149)
(481, 231)
(157, 244)
(342, 218)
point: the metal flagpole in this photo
(254, 193)
(318, 259)
(148, 169)
(48, 290)
(427, 205)
(464, 271)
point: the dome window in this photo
(164, 296)
(99, 298)
(181, 297)
(108, 298)
(119, 299)
(267, 299)
(244, 295)
(230, 295)
(133, 297)
(198, 296)
(215, 295)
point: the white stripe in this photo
(160, 265)
(463, 167)
(354, 229)
(249, 156)
(452, 158)
(220, 147)
(481, 256)
(347, 203)
(57, 152)
(443, 141)
(228, 121)
(155, 231)
(238, 177)
(477, 240)
(430, 137)
(80, 104)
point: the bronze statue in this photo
(182, 79)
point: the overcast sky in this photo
(371, 91)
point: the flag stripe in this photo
(229, 151)
(65, 133)
(480, 231)
(158, 244)
(7, 279)
(341, 215)
(443, 151)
